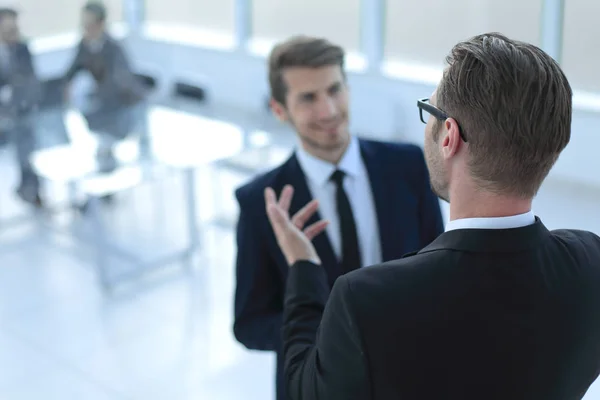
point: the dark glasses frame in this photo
(425, 105)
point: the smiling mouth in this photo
(330, 126)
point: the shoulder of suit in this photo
(23, 45)
(253, 191)
(578, 237)
(403, 149)
(407, 272)
(112, 40)
(111, 43)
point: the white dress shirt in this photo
(514, 221)
(358, 190)
(95, 45)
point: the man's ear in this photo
(452, 140)
(279, 110)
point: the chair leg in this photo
(192, 213)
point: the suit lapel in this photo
(383, 196)
(302, 196)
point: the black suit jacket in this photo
(117, 85)
(22, 78)
(478, 314)
(408, 216)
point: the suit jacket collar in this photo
(491, 240)
(293, 175)
(384, 196)
(385, 199)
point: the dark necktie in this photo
(350, 250)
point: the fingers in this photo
(270, 197)
(315, 229)
(278, 220)
(277, 216)
(286, 198)
(302, 216)
(277, 212)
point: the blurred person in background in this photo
(377, 195)
(117, 106)
(20, 92)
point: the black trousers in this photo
(22, 135)
(113, 123)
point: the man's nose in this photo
(327, 108)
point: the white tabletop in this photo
(177, 139)
(185, 140)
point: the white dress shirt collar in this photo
(360, 195)
(319, 171)
(514, 221)
(96, 45)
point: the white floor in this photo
(167, 336)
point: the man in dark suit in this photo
(498, 306)
(376, 195)
(117, 106)
(19, 97)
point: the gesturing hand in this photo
(294, 240)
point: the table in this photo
(178, 141)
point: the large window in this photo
(581, 51)
(424, 31)
(210, 15)
(336, 20)
(41, 18)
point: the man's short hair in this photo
(8, 12)
(300, 51)
(514, 105)
(97, 9)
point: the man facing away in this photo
(19, 96)
(498, 306)
(377, 195)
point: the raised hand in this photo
(294, 240)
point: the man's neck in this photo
(481, 204)
(99, 37)
(330, 156)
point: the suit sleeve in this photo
(430, 213)
(76, 64)
(120, 71)
(28, 67)
(324, 355)
(259, 291)
(34, 89)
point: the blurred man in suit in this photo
(19, 97)
(377, 195)
(117, 106)
(498, 306)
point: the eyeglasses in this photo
(425, 105)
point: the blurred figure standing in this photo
(19, 97)
(118, 104)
